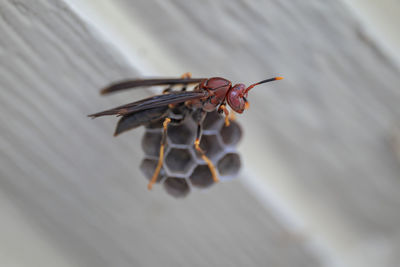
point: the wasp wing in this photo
(139, 118)
(152, 102)
(147, 82)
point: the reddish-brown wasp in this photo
(208, 95)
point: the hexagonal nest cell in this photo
(231, 134)
(183, 168)
(213, 121)
(182, 134)
(148, 166)
(201, 177)
(229, 164)
(148, 141)
(178, 160)
(211, 145)
(177, 187)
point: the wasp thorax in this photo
(218, 87)
(236, 98)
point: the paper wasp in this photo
(208, 95)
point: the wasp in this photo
(208, 95)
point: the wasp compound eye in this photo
(183, 169)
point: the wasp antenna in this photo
(264, 81)
(269, 80)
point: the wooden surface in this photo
(320, 146)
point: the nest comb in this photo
(183, 169)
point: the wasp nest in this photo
(183, 168)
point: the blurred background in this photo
(321, 149)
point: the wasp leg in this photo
(203, 155)
(223, 108)
(186, 75)
(232, 116)
(167, 90)
(161, 157)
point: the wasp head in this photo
(237, 95)
(236, 98)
